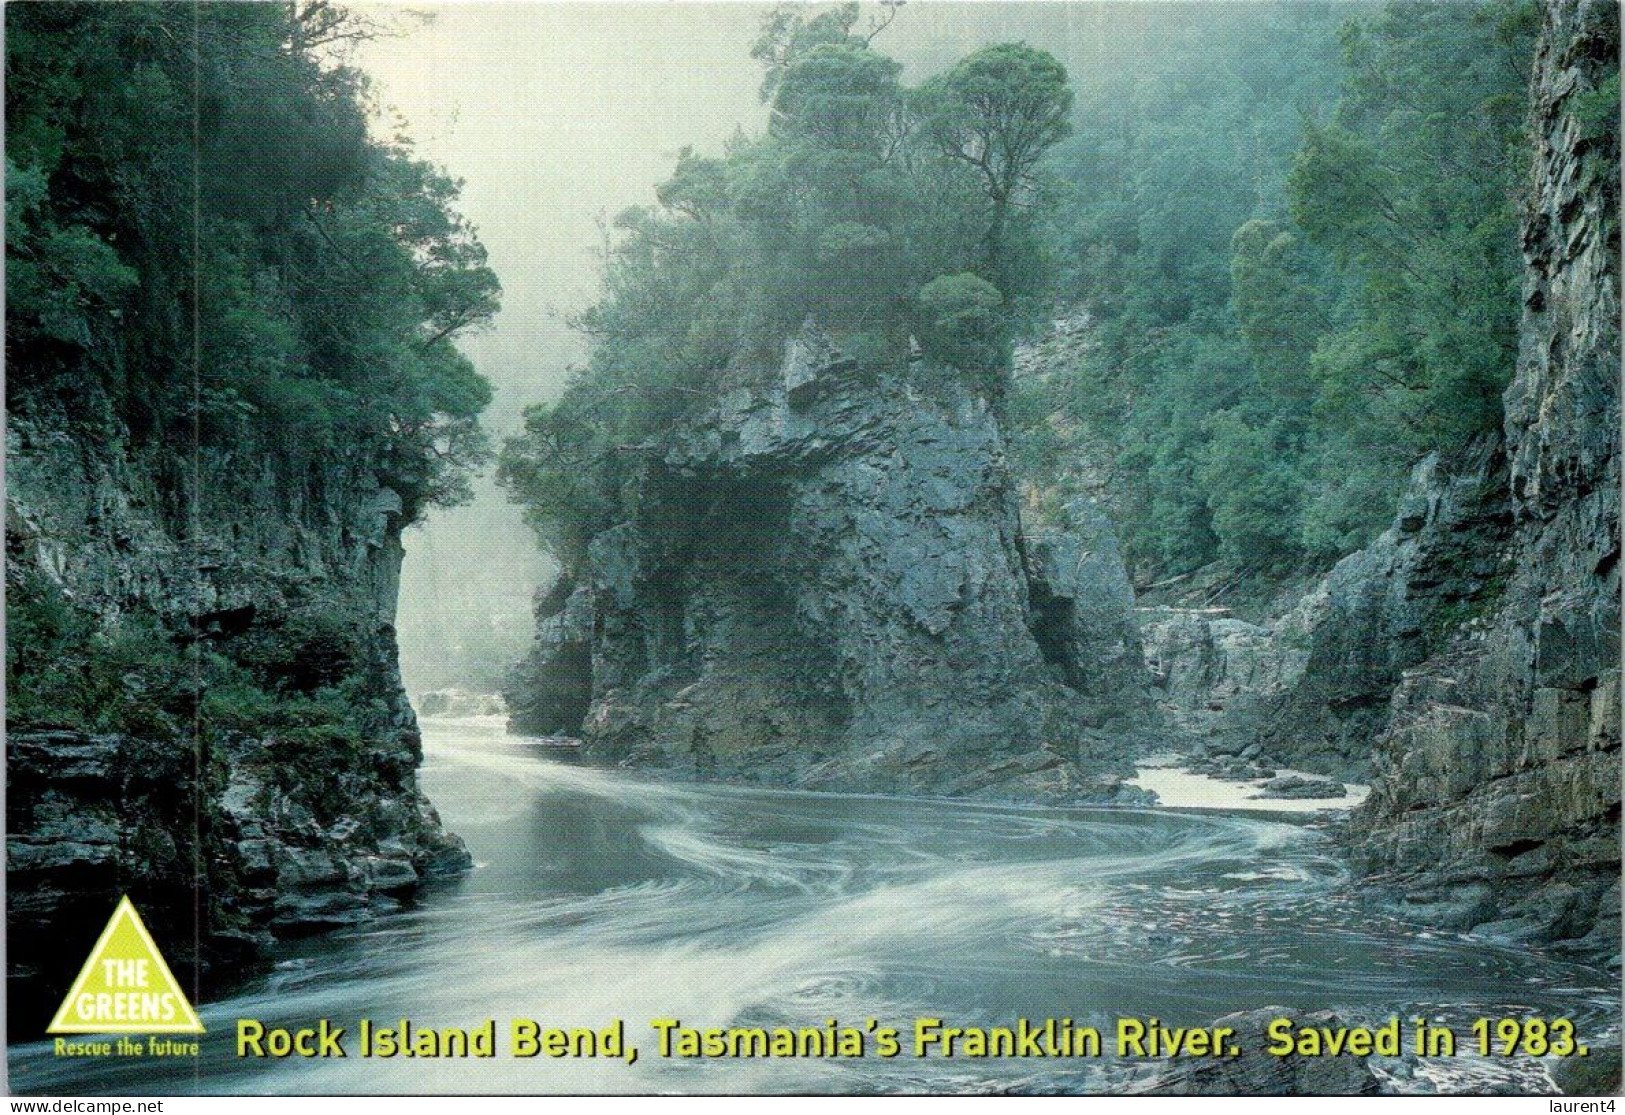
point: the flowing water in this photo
(602, 895)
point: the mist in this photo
(557, 117)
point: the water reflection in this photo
(600, 895)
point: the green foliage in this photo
(1410, 189)
(1278, 311)
(1597, 111)
(787, 36)
(61, 671)
(881, 213)
(963, 327)
(203, 242)
(67, 669)
(997, 112)
(57, 277)
(1296, 235)
(310, 649)
(327, 273)
(839, 97)
(1248, 471)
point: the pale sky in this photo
(555, 113)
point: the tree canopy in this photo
(1294, 231)
(891, 216)
(203, 240)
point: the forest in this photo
(1292, 231)
(210, 258)
(313, 277)
(1118, 496)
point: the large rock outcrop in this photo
(222, 836)
(1497, 796)
(1216, 675)
(1082, 614)
(548, 691)
(828, 586)
(1386, 608)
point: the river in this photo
(601, 895)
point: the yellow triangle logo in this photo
(125, 987)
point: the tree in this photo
(200, 183)
(1278, 311)
(1411, 190)
(843, 98)
(787, 35)
(963, 326)
(844, 211)
(998, 111)
(1295, 230)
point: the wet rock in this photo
(1292, 786)
(254, 857)
(1497, 794)
(549, 690)
(289, 569)
(1082, 615)
(59, 757)
(1384, 609)
(1215, 674)
(828, 585)
(389, 874)
(62, 859)
(308, 867)
(1230, 768)
(303, 914)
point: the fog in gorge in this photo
(1079, 514)
(557, 117)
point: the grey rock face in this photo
(1497, 796)
(1467, 661)
(828, 586)
(1084, 461)
(1217, 676)
(1082, 614)
(1232, 768)
(548, 691)
(1386, 608)
(1597, 1074)
(233, 831)
(1312, 687)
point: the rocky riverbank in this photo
(1467, 661)
(223, 834)
(1497, 797)
(832, 582)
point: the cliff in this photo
(1467, 661)
(1498, 780)
(231, 378)
(232, 747)
(1311, 686)
(828, 585)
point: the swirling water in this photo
(602, 895)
